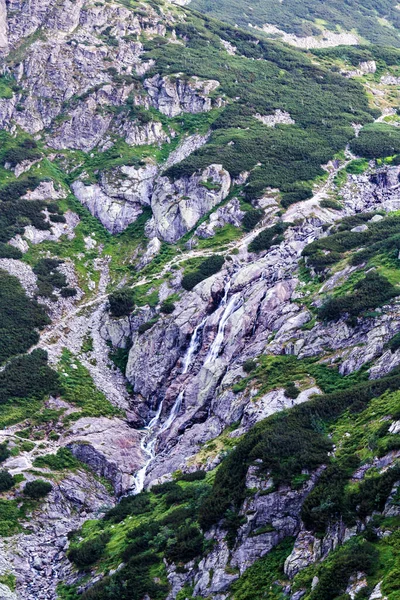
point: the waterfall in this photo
(149, 440)
(148, 446)
(153, 429)
(232, 306)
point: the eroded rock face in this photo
(37, 557)
(109, 447)
(175, 94)
(178, 205)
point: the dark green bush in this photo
(167, 307)
(18, 154)
(19, 318)
(129, 505)
(208, 267)
(6, 481)
(7, 251)
(249, 365)
(4, 452)
(121, 302)
(370, 292)
(37, 489)
(377, 140)
(49, 277)
(268, 237)
(187, 545)
(88, 552)
(68, 292)
(252, 218)
(356, 556)
(291, 391)
(194, 476)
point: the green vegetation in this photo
(287, 157)
(381, 237)
(37, 489)
(4, 451)
(121, 302)
(357, 555)
(141, 531)
(260, 580)
(48, 277)
(19, 318)
(89, 552)
(26, 379)
(371, 292)
(252, 218)
(287, 443)
(63, 459)
(377, 140)
(208, 267)
(10, 513)
(268, 237)
(302, 18)
(6, 481)
(77, 387)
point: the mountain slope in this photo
(332, 24)
(199, 313)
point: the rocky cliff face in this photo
(165, 378)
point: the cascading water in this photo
(153, 429)
(149, 440)
(232, 306)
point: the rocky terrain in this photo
(199, 309)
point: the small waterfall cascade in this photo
(231, 306)
(153, 429)
(149, 440)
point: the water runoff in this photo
(154, 428)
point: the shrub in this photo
(194, 476)
(7, 251)
(63, 459)
(370, 292)
(208, 267)
(252, 218)
(88, 552)
(28, 377)
(19, 318)
(37, 489)
(249, 365)
(121, 302)
(58, 219)
(377, 140)
(167, 307)
(187, 545)
(68, 292)
(129, 505)
(268, 237)
(18, 154)
(6, 481)
(4, 452)
(327, 203)
(291, 391)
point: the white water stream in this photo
(153, 429)
(149, 440)
(232, 306)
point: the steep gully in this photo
(154, 429)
